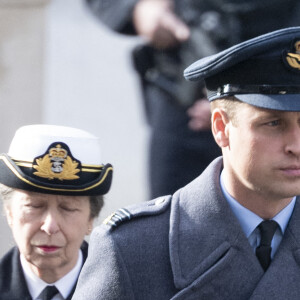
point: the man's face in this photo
(262, 158)
(49, 229)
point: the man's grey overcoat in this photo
(189, 246)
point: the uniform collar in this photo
(64, 285)
(200, 216)
(248, 219)
(206, 236)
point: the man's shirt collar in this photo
(248, 219)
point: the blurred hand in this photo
(156, 21)
(200, 115)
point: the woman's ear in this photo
(8, 215)
(220, 122)
(90, 226)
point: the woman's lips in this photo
(48, 249)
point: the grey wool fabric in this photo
(188, 246)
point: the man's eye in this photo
(274, 123)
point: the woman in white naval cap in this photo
(52, 182)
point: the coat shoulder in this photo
(6, 264)
(12, 280)
(148, 208)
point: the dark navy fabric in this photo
(257, 69)
(264, 45)
(12, 281)
(177, 154)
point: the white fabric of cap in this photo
(33, 140)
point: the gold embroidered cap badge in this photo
(293, 58)
(57, 163)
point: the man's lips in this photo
(291, 170)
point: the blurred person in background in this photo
(52, 184)
(176, 33)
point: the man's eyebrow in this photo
(271, 112)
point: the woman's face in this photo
(49, 229)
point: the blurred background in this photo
(59, 65)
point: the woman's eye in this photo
(69, 209)
(34, 206)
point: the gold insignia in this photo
(293, 59)
(56, 164)
(108, 219)
(118, 217)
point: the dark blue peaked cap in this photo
(263, 71)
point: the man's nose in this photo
(50, 223)
(293, 141)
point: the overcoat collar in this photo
(283, 276)
(16, 285)
(208, 249)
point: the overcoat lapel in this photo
(84, 249)
(16, 284)
(210, 256)
(282, 279)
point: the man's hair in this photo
(229, 105)
(96, 202)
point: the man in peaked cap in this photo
(52, 183)
(233, 232)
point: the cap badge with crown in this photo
(56, 163)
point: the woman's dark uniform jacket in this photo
(12, 281)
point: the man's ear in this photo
(220, 122)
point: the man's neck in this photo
(264, 208)
(262, 204)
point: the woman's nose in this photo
(50, 223)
